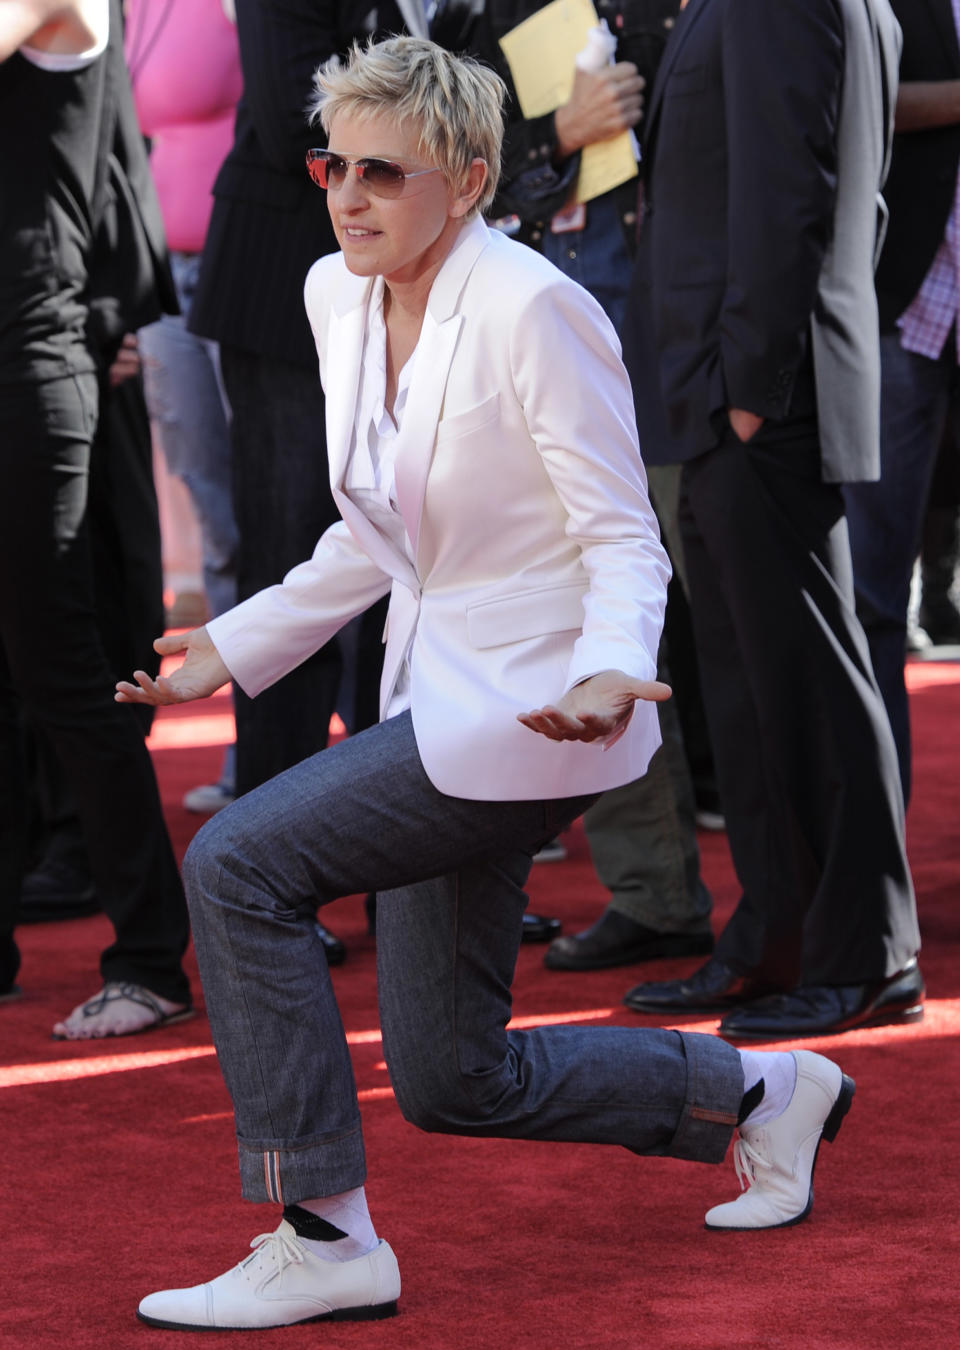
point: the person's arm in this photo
(923, 105)
(262, 639)
(579, 412)
(52, 24)
(783, 75)
(541, 154)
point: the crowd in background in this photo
(179, 320)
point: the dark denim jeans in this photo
(450, 875)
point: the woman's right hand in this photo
(201, 674)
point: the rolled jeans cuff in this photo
(714, 1094)
(316, 1167)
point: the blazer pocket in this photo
(448, 428)
(690, 80)
(528, 614)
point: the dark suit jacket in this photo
(923, 174)
(767, 139)
(269, 222)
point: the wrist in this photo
(567, 142)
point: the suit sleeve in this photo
(783, 73)
(579, 411)
(267, 636)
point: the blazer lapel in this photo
(342, 389)
(438, 341)
(681, 29)
(342, 375)
(414, 16)
(419, 430)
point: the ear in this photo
(464, 200)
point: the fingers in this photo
(655, 691)
(560, 726)
(146, 690)
(553, 724)
(171, 643)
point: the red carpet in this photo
(119, 1171)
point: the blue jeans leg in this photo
(364, 816)
(188, 405)
(596, 256)
(885, 518)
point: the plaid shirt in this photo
(927, 321)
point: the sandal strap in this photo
(133, 993)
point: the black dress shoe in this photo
(334, 947)
(55, 890)
(538, 928)
(9, 966)
(616, 940)
(712, 988)
(823, 1010)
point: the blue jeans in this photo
(363, 816)
(188, 406)
(596, 257)
(885, 519)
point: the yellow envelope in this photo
(541, 53)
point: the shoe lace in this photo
(278, 1247)
(746, 1160)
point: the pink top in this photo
(185, 65)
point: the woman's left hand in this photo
(598, 709)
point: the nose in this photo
(351, 193)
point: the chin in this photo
(360, 267)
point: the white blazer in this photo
(519, 479)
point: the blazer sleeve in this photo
(264, 638)
(783, 72)
(579, 411)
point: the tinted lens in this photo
(381, 176)
(327, 170)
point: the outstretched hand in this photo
(201, 674)
(597, 709)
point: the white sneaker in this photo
(775, 1161)
(280, 1285)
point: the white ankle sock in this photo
(348, 1212)
(779, 1073)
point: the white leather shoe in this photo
(281, 1284)
(775, 1161)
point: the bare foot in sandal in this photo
(120, 1010)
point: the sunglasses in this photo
(381, 176)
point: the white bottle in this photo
(601, 45)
